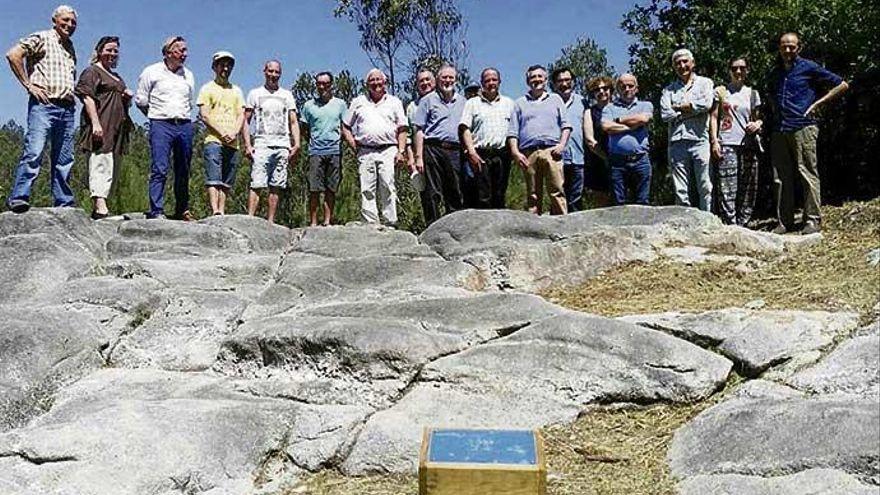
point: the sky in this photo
(304, 35)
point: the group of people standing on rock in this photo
(459, 149)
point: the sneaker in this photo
(19, 206)
(811, 228)
(780, 229)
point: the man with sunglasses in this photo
(45, 65)
(165, 95)
(794, 98)
(626, 121)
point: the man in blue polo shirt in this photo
(437, 148)
(625, 120)
(537, 135)
(573, 156)
(793, 94)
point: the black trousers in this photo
(443, 182)
(489, 184)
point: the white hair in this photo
(63, 9)
(682, 53)
(376, 71)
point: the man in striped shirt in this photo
(45, 65)
(484, 123)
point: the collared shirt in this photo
(538, 121)
(51, 63)
(633, 141)
(375, 123)
(323, 120)
(488, 120)
(166, 94)
(574, 110)
(795, 89)
(439, 118)
(693, 126)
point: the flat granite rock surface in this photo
(230, 356)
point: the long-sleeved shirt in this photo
(692, 126)
(792, 92)
(165, 94)
(538, 121)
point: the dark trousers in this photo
(443, 180)
(634, 170)
(490, 181)
(574, 186)
(167, 137)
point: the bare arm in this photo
(206, 119)
(16, 57)
(636, 120)
(246, 132)
(519, 158)
(402, 133)
(467, 139)
(714, 138)
(349, 137)
(419, 149)
(557, 150)
(92, 112)
(295, 144)
(835, 92)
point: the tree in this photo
(841, 34)
(586, 60)
(401, 36)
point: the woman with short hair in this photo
(105, 122)
(597, 175)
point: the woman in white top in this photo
(735, 145)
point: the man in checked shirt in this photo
(45, 65)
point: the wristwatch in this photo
(616, 120)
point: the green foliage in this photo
(586, 59)
(841, 34)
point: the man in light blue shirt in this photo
(625, 120)
(685, 106)
(538, 133)
(573, 156)
(322, 119)
(437, 147)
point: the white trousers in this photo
(100, 174)
(376, 170)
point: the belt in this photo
(175, 121)
(446, 145)
(532, 149)
(629, 158)
(492, 151)
(62, 102)
(376, 147)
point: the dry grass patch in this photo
(623, 451)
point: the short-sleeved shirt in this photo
(375, 123)
(165, 94)
(633, 141)
(488, 120)
(323, 120)
(439, 118)
(107, 90)
(694, 126)
(538, 122)
(51, 63)
(225, 105)
(736, 113)
(795, 89)
(574, 148)
(271, 117)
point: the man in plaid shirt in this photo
(45, 65)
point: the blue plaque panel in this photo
(483, 446)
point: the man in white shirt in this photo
(375, 127)
(276, 138)
(165, 96)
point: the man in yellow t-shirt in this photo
(221, 108)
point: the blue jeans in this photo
(574, 186)
(55, 123)
(689, 162)
(165, 137)
(636, 171)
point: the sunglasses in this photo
(602, 88)
(737, 68)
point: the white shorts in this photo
(270, 167)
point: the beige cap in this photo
(221, 55)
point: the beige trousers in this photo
(100, 174)
(542, 166)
